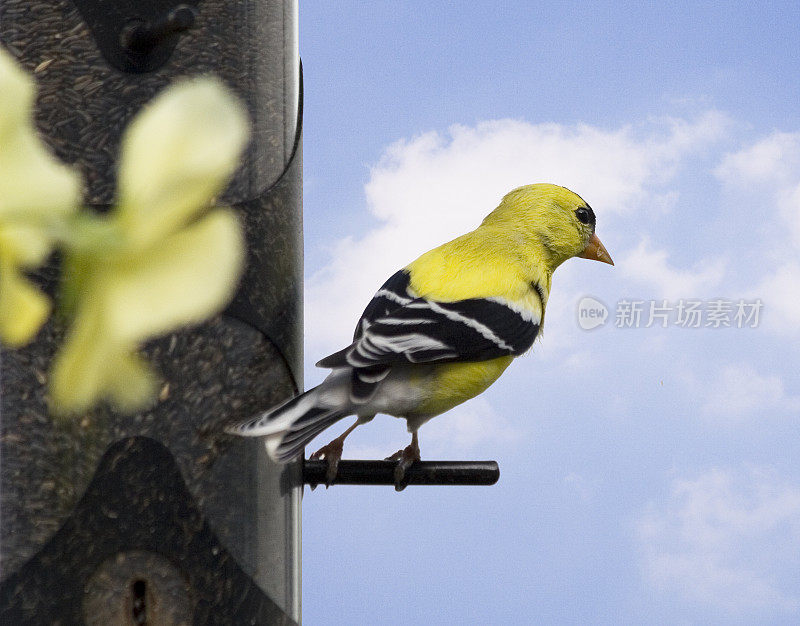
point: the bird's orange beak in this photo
(596, 251)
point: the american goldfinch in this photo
(442, 329)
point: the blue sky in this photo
(648, 474)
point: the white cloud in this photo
(740, 391)
(650, 266)
(766, 177)
(768, 174)
(473, 428)
(778, 291)
(730, 540)
(466, 428)
(584, 488)
(775, 159)
(368, 452)
(788, 200)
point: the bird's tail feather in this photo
(290, 426)
(289, 444)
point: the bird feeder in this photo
(156, 518)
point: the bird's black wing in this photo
(419, 330)
(392, 295)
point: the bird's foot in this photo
(332, 453)
(405, 458)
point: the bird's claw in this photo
(395, 457)
(405, 458)
(332, 453)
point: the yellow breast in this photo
(450, 384)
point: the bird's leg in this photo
(332, 453)
(405, 458)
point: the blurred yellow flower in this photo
(37, 195)
(160, 259)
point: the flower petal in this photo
(177, 154)
(181, 280)
(24, 244)
(78, 375)
(132, 385)
(23, 308)
(91, 366)
(33, 183)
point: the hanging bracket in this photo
(138, 35)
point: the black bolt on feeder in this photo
(157, 518)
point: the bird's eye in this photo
(584, 215)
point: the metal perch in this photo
(353, 472)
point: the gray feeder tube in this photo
(157, 518)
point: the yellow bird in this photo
(442, 329)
